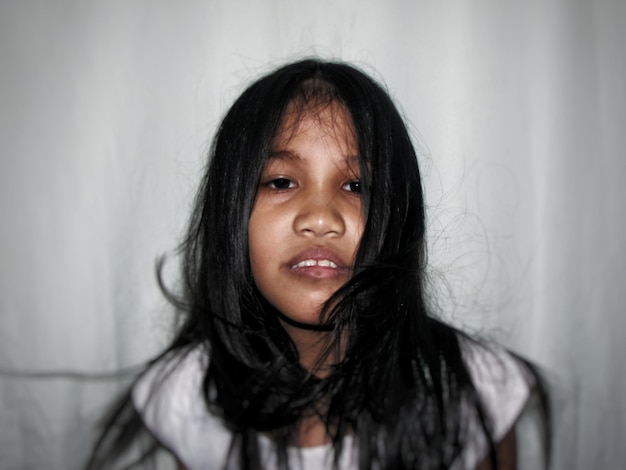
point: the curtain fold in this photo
(108, 108)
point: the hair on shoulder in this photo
(402, 383)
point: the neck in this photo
(304, 326)
(315, 349)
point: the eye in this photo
(280, 184)
(353, 186)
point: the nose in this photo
(319, 216)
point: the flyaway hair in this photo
(402, 389)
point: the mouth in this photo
(318, 263)
(307, 263)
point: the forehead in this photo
(324, 121)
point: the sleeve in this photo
(504, 385)
(168, 397)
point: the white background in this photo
(106, 112)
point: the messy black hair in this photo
(402, 384)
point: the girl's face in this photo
(307, 219)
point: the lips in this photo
(317, 262)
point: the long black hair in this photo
(402, 382)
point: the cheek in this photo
(254, 247)
(357, 224)
(263, 269)
(261, 246)
(258, 266)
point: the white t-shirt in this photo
(175, 411)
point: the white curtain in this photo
(107, 110)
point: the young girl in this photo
(308, 342)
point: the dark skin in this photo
(506, 454)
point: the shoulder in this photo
(503, 382)
(504, 385)
(169, 398)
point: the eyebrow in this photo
(284, 155)
(290, 155)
